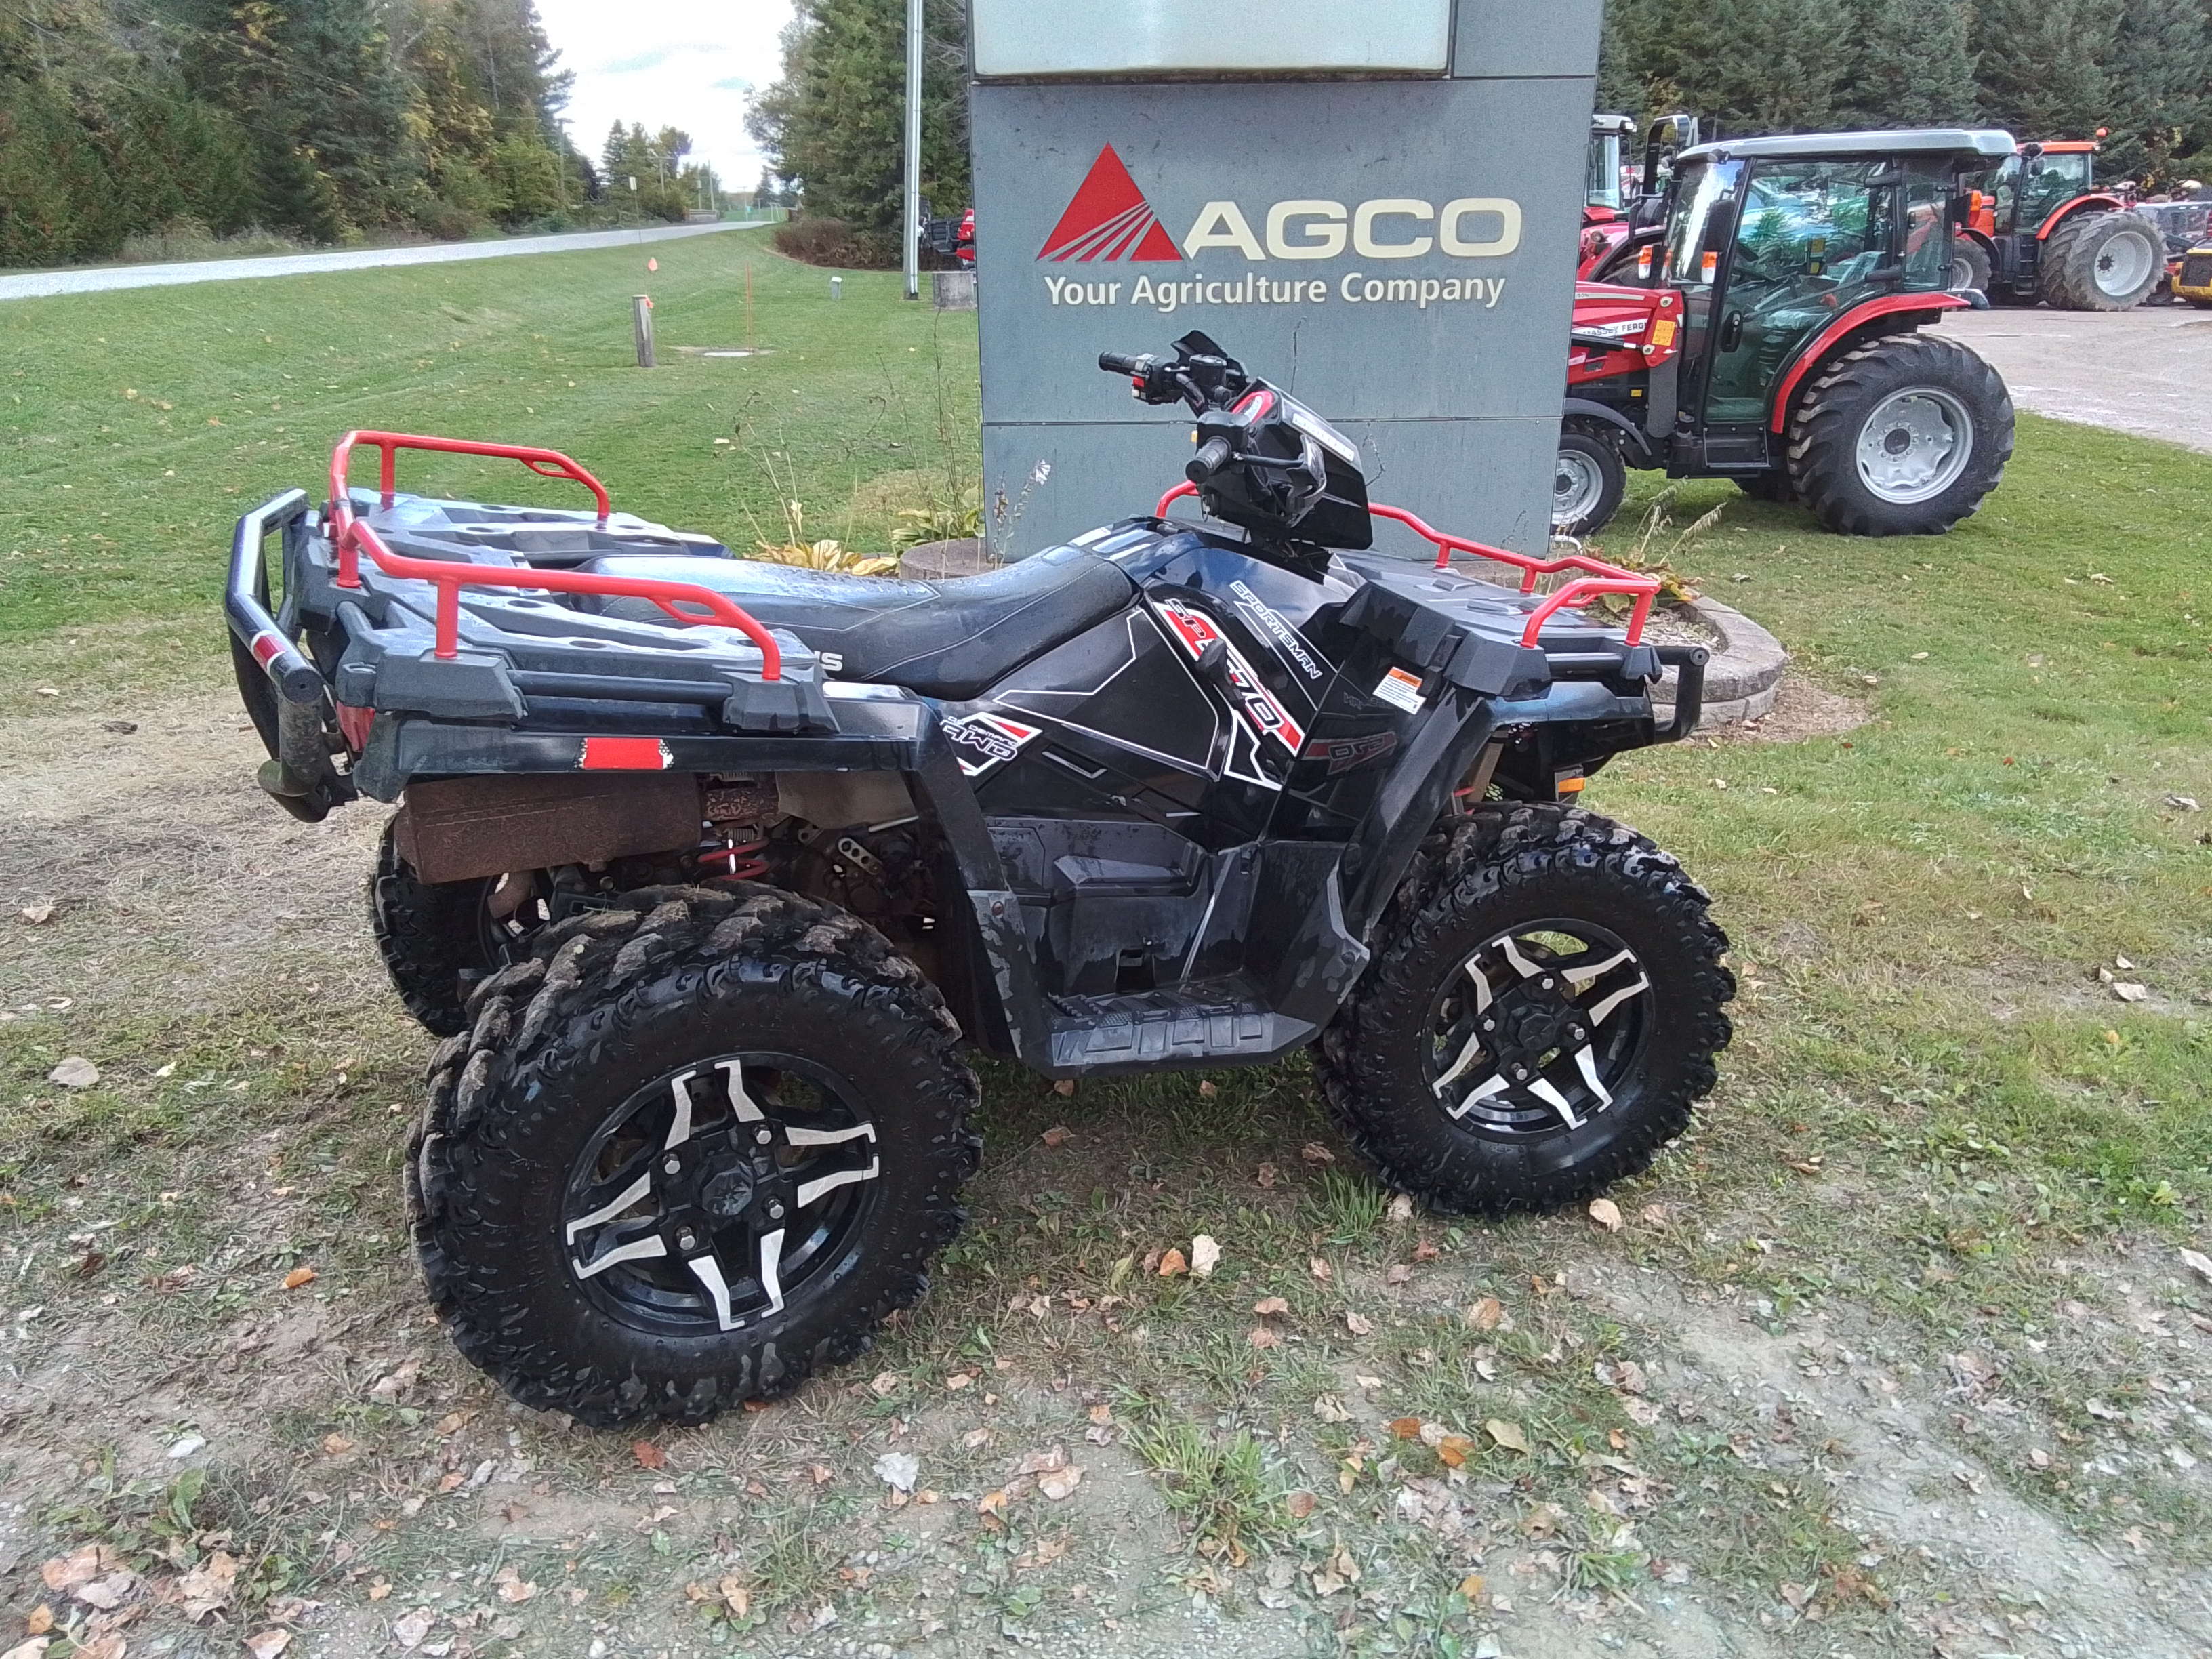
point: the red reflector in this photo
(624, 755)
(266, 647)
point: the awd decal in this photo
(982, 741)
(1198, 634)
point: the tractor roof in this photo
(1621, 123)
(1914, 141)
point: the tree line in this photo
(323, 120)
(2141, 70)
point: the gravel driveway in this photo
(2146, 371)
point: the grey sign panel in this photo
(1514, 38)
(1031, 38)
(1398, 254)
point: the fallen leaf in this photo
(739, 1598)
(1606, 1214)
(820, 1473)
(299, 1277)
(41, 1621)
(1314, 1152)
(37, 914)
(1406, 1428)
(2129, 993)
(65, 1572)
(1321, 1270)
(1470, 1588)
(1330, 1409)
(1357, 1325)
(648, 1455)
(208, 1587)
(1270, 1304)
(379, 1589)
(898, 1470)
(1425, 1250)
(992, 1506)
(396, 1382)
(1058, 1135)
(1042, 1462)
(1172, 1264)
(1486, 1315)
(2183, 804)
(885, 1384)
(337, 1445)
(1065, 1087)
(409, 1628)
(2198, 1263)
(1799, 1596)
(1507, 1435)
(1398, 1274)
(1401, 1208)
(1301, 1505)
(1455, 1449)
(1261, 1337)
(269, 1644)
(75, 1072)
(1265, 1176)
(1057, 1484)
(1205, 1256)
(107, 1594)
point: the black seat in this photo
(951, 639)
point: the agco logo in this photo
(1109, 221)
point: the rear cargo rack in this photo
(351, 536)
(1600, 578)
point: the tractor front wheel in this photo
(1902, 436)
(1970, 266)
(1590, 481)
(2103, 262)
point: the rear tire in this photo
(437, 941)
(1903, 435)
(617, 1157)
(1612, 1050)
(2103, 262)
(1588, 483)
(1970, 266)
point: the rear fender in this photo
(1893, 314)
(2065, 211)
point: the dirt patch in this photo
(1802, 711)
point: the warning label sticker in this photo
(1400, 690)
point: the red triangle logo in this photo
(1109, 219)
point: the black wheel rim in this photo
(501, 937)
(1538, 1031)
(717, 1195)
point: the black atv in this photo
(707, 869)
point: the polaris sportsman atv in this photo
(708, 868)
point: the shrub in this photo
(833, 242)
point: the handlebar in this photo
(1116, 362)
(1212, 455)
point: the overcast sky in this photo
(688, 64)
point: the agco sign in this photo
(1109, 221)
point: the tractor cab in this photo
(1777, 260)
(1625, 214)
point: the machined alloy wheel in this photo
(697, 1144)
(710, 1196)
(1538, 1028)
(1915, 444)
(1540, 1015)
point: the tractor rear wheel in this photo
(1588, 484)
(2102, 262)
(1970, 266)
(1902, 436)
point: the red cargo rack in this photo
(350, 536)
(1602, 578)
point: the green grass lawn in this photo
(1936, 1113)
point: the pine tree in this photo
(1743, 66)
(2160, 79)
(1914, 66)
(2042, 65)
(835, 122)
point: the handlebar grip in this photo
(1212, 455)
(1115, 363)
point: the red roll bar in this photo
(450, 576)
(1602, 578)
(547, 463)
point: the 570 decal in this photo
(1198, 635)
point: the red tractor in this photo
(1613, 212)
(1767, 330)
(2040, 229)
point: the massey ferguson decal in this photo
(985, 740)
(1109, 220)
(1197, 634)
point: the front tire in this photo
(1903, 435)
(1970, 266)
(2103, 262)
(1540, 1018)
(1588, 483)
(698, 1146)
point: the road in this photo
(97, 279)
(2145, 371)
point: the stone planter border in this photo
(1745, 676)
